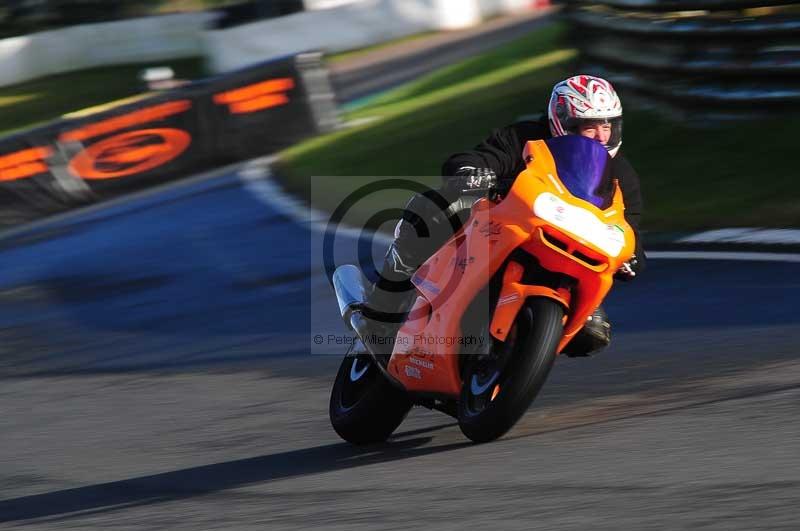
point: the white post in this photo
(456, 14)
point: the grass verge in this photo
(418, 124)
(734, 174)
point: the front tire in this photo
(364, 407)
(499, 389)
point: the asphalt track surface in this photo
(156, 373)
(372, 72)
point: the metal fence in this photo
(725, 58)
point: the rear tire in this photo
(493, 399)
(364, 407)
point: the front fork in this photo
(513, 295)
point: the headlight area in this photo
(557, 251)
(581, 225)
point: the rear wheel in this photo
(499, 388)
(364, 407)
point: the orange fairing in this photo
(513, 296)
(539, 215)
(590, 251)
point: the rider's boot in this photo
(428, 220)
(593, 337)
(387, 302)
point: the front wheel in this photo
(499, 388)
(364, 407)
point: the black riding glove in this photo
(470, 180)
(627, 272)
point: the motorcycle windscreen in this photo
(583, 166)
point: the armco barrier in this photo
(239, 35)
(248, 113)
(684, 5)
(727, 58)
(347, 26)
(136, 40)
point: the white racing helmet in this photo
(585, 99)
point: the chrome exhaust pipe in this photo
(351, 287)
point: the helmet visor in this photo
(612, 127)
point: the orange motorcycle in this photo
(495, 305)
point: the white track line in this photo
(746, 235)
(708, 255)
(257, 179)
(70, 216)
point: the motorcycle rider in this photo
(584, 105)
